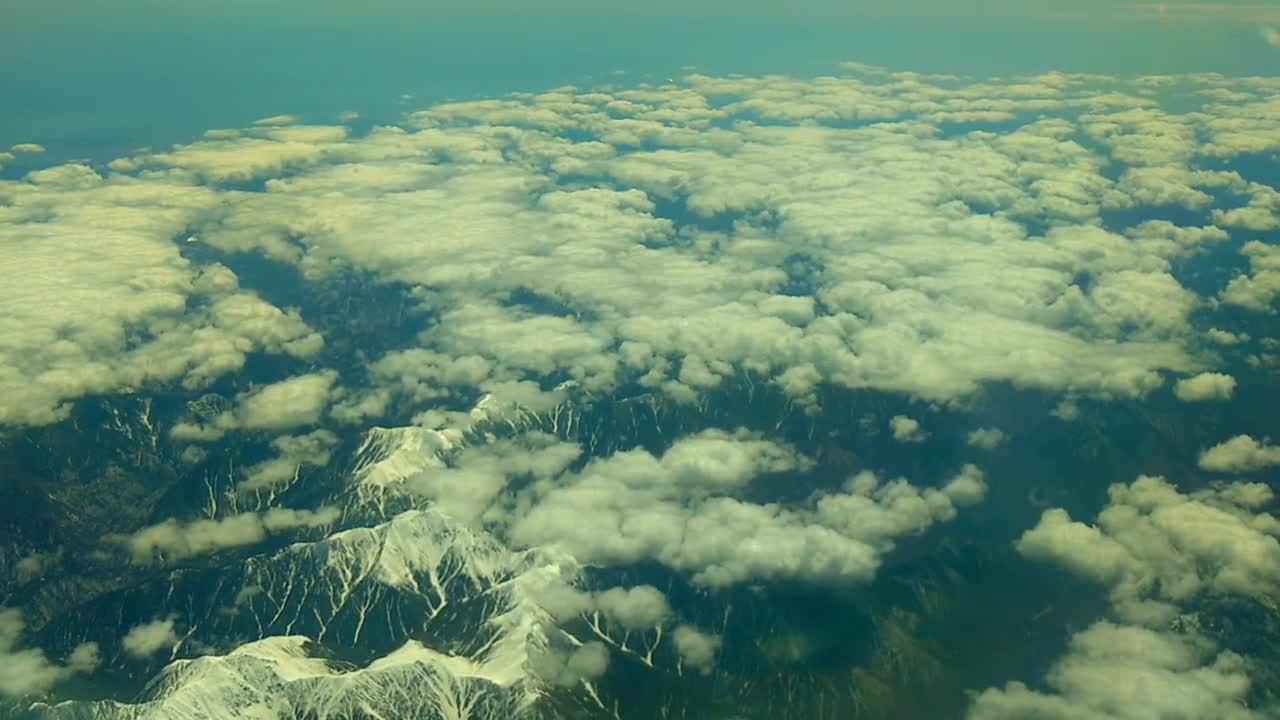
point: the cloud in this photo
(1153, 541)
(1240, 454)
(1155, 548)
(29, 671)
(1124, 671)
(1259, 289)
(1270, 35)
(172, 540)
(1205, 386)
(293, 452)
(33, 566)
(635, 609)
(692, 313)
(150, 638)
(31, 148)
(906, 430)
(1224, 337)
(569, 666)
(697, 649)
(249, 155)
(968, 487)
(286, 404)
(123, 309)
(551, 260)
(277, 120)
(466, 488)
(986, 438)
(679, 510)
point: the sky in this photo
(95, 78)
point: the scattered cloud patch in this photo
(679, 510)
(1205, 386)
(172, 540)
(1115, 670)
(986, 438)
(277, 120)
(1240, 454)
(697, 649)
(1155, 548)
(29, 671)
(147, 639)
(907, 430)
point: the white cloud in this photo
(115, 305)
(1205, 386)
(986, 438)
(1129, 672)
(1153, 541)
(1224, 337)
(172, 540)
(252, 154)
(467, 487)
(150, 638)
(293, 452)
(907, 430)
(693, 312)
(28, 670)
(635, 609)
(1259, 289)
(297, 401)
(570, 666)
(1270, 35)
(697, 649)
(33, 566)
(680, 510)
(277, 120)
(968, 487)
(28, 148)
(1240, 454)
(1154, 548)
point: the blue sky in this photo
(96, 82)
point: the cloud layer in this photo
(684, 233)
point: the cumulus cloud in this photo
(549, 259)
(33, 566)
(466, 487)
(130, 310)
(28, 148)
(1225, 337)
(697, 649)
(1205, 386)
(28, 670)
(680, 510)
(906, 429)
(1240, 454)
(1259, 289)
(293, 452)
(147, 639)
(289, 403)
(986, 438)
(1270, 35)
(636, 608)
(1153, 540)
(570, 666)
(1155, 548)
(1133, 672)
(172, 540)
